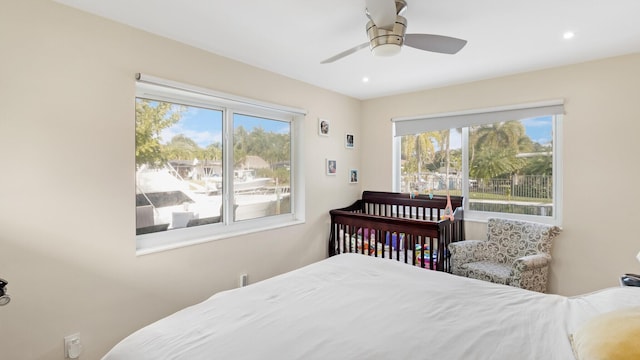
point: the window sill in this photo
(159, 242)
(482, 217)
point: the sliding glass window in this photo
(208, 167)
(504, 161)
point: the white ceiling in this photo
(291, 37)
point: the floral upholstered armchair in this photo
(516, 253)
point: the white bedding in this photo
(352, 306)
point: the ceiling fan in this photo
(386, 31)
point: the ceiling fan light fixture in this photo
(386, 50)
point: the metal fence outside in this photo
(533, 187)
(520, 194)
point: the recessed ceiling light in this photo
(365, 79)
(568, 35)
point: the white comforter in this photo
(352, 306)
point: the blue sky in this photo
(539, 129)
(204, 126)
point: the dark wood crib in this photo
(398, 226)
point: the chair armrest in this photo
(465, 251)
(531, 262)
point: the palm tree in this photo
(493, 162)
(212, 152)
(494, 149)
(502, 134)
(240, 144)
(417, 150)
(443, 139)
(424, 151)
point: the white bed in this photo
(352, 306)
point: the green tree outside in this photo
(151, 118)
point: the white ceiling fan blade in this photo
(382, 13)
(345, 53)
(434, 43)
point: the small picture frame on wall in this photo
(353, 176)
(349, 141)
(331, 167)
(323, 127)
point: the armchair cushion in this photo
(489, 271)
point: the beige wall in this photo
(600, 164)
(66, 195)
(67, 181)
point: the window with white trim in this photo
(211, 165)
(503, 161)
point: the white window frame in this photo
(465, 119)
(153, 88)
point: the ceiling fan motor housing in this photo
(387, 42)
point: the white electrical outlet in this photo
(244, 280)
(72, 346)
